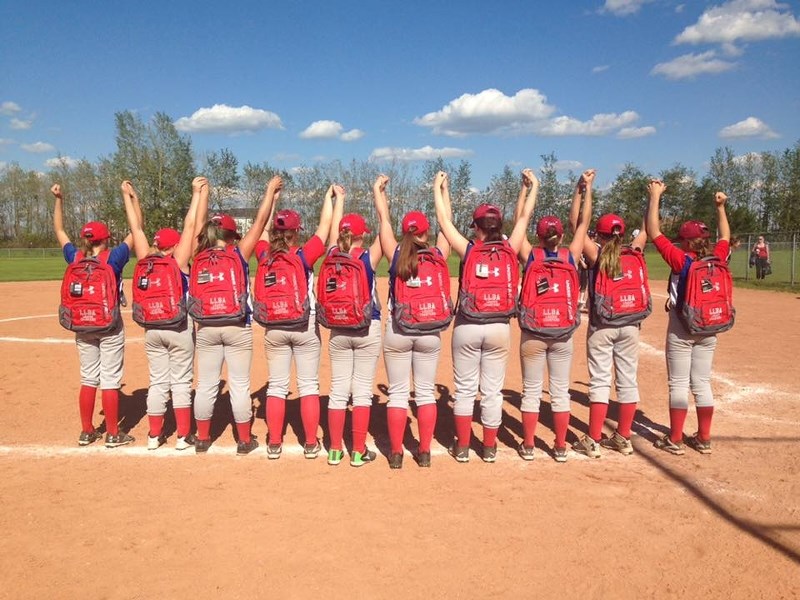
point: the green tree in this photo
(222, 171)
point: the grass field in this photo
(47, 264)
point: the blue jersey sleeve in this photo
(69, 251)
(119, 257)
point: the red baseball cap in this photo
(95, 231)
(166, 238)
(355, 223)
(227, 223)
(486, 210)
(692, 230)
(416, 219)
(548, 223)
(286, 219)
(610, 224)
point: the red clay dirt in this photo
(128, 523)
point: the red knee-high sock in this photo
(111, 410)
(704, 416)
(360, 427)
(625, 421)
(529, 422)
(336, 427)
(463, 429)
(426, 420)
(86, 406)
(396, 423)
(309, 413)
(677, 417)
(183, 421)
(204, 429)
(561, 424)
(489, 436)
(243, 432)
(156, 425)
(276, 413)
(597, 417)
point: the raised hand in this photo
(339, 193)
(656, 187)
(720, 198)
(587, 178)
(528, 178)
(198, 183)
(56, 191)
(380, 182)
(440, 180)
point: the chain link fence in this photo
(783, 256)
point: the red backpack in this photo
(422, 304)
(624, 300)
(159, 301)
(280, 290)
(89, 295)
(548, 303)
(706, 287)
(218, 287)
(344, 296)
(489, 283)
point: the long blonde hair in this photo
(407, 262)
(345, 240)
(210, 234)
(609, 261)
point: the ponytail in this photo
(210, 234)
(407, 262)
(609, 261)
(700, 246)
(345, 240)
(87, 246)
(278, 241)
(492, 227)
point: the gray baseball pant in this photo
(281, 346)
(614, 348)
(232, 344)
(406, 354)
(534, 353)
(101, 356)
(689, 361)
(354, 358)
(170, 356)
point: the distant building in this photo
(243, 216)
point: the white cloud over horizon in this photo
(600, 68)
(689, 66)
(21, 124)
(568, 165)
(330, 130)
(414, 154)
(222, 118)
(9, 108)
(748, 128)
(741, 20)
(38, 147)
(622, 8)
(59, 161)
(629, 133)
(527, 112)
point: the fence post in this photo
(747, 264)
(794, 254)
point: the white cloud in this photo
(322, 130)
(352, 135)
(330, 130)
(679, 8)
(623, 8)
(599, 68)
(38, 147)
(491, 112)
(750, 127)
(66, 161)
(568, 165)
(691, 65)
(3, 164)
(600, 124)
(21, 124)
(412, 154)
(9, 108)
(6, 142)
(741, 20)
(628, 133)
(222, 118)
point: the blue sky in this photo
(598, 82)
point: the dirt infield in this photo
(128, 523)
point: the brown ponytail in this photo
(492, 227)
(609, 261)
(407, 262)
(345, 240)
(210, 234)
(700, 246)
(278, 241)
